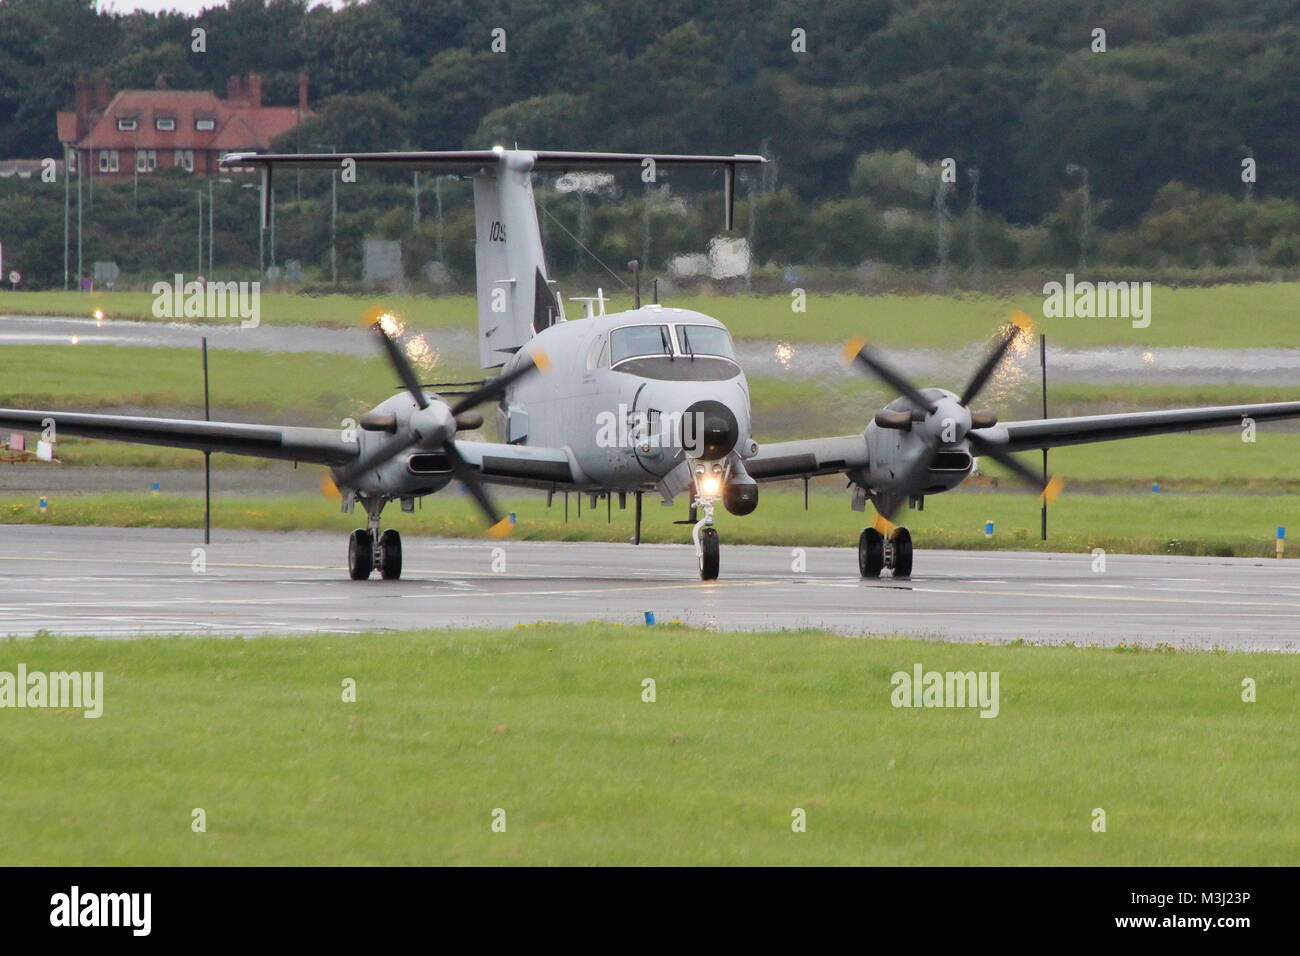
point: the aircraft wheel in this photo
(361, 555)
(902, 553)
(390, 555)
(871, 553)
(710, 559)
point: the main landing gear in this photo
(876, 552)
(368, 549)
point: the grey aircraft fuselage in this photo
(626, 413)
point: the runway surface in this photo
(117, 582)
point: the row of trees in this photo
(900, 212)
(1175, 91)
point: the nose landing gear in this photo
(877, 552)
(706, 543)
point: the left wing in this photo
(1057, 432)
(776, 461)
(324, 446)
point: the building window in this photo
(205, 125)
(185, 160)
(126, 123)
(103, 160)
(72, 162)
(146, 160)
(112, 160)
(165, 123)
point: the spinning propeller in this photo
(434, 425)
(947, 420)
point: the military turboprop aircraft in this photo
(649, 399)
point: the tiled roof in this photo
(238, 126)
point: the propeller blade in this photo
(329, 489)
(398, 359)
(857, 350)
(1049, 491)
(497, 387)
(469, 477)
(1020, 323)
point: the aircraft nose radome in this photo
(715, 430)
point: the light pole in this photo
(1249, 181)
(261, 239)
(1074, 169)
(973, 173)
(211, 216)
(81, 162)
(67, 187)
(334, 212)
(199, 194)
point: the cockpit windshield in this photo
(705, 340)
(634, 340)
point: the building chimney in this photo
(234, 89)
(302, 92)
(83, 97)
(103, 93)
(255, 90)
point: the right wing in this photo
(324, 446)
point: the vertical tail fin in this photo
(515, 300)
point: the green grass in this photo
(322, 385)
(1223, 316)
(1209, 524)
(277, 308)
(547, 723)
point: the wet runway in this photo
(128, 582)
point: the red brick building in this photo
(138, 131)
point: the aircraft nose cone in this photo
(710, 430)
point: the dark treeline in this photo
(1162, 120)
(1009, 86)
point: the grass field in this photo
(321, 384)
(1224, 316)
(1213, 524)
(38, 376)
(547, 724)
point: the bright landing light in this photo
(710, 486)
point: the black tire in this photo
(902, 553)
(871, 553)
(361, 555)
(390, 555)
(710, 560)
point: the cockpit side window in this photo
(634, 340)
(705, 340)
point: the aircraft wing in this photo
(520, 465)
(323, 446)
(1057, 432)
(780, 460)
